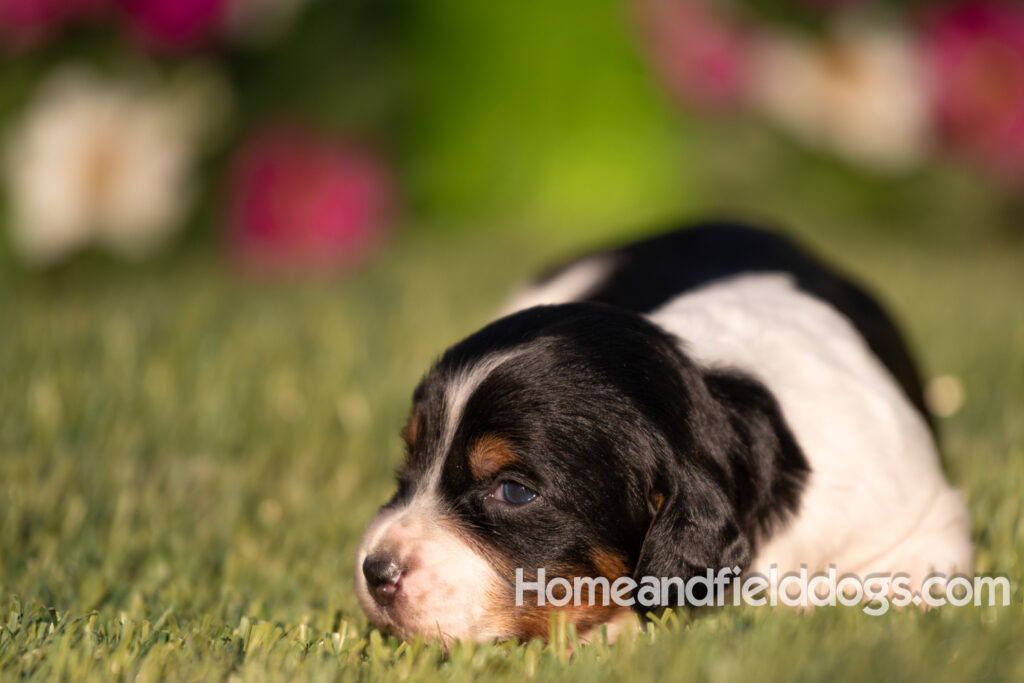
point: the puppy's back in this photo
(643, 276)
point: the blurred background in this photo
(292, 136)
(233, 234)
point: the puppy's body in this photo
(748, 301)
(714, 397)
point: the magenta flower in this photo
(26, 22)
(702, 58)
(976, 56)
(174, 24)
(301, 203)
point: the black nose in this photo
(382, 576)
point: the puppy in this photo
(712, 397)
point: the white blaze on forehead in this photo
(457, 393)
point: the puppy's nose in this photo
(382, 576)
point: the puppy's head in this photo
(574, 438)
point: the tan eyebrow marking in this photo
(411, 431)
(489, 455)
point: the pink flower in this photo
(702, 58)
(174, 24)
(302, 203)
(26, 22)
(976, 55)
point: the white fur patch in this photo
(447, 587)
(876, 499)
(573, 284)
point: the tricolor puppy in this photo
(712, 397)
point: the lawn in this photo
(188, 459)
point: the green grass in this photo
(187, 461)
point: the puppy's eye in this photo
(514, 494)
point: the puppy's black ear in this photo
(694, 528)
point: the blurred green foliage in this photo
(541, 113)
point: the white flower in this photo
(95, 159)
(862, 93)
